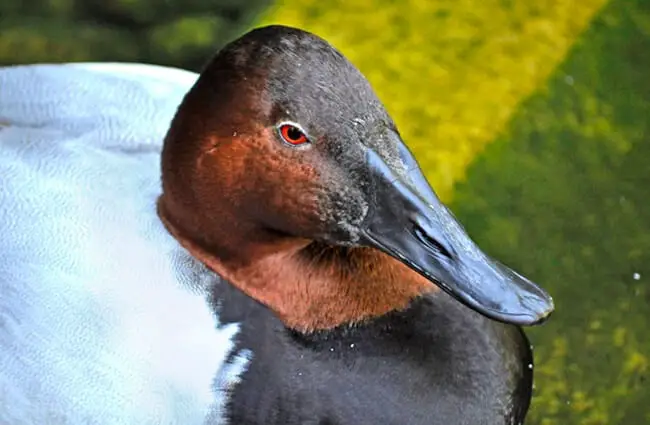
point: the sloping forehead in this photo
(308, 81)
(317, 84)
(304, 73)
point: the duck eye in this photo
(293, 135)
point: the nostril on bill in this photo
(430, 242)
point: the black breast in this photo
(437, 363)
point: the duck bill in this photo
(409, 223)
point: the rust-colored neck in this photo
(227, 181)
(311, 287)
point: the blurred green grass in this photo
(562, 194)
(181, 33)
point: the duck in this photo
(251, 245)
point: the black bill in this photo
(408, 222)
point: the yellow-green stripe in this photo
(450, 72)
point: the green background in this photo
(532, 119)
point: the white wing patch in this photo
(102, 317)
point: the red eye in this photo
(293, 135)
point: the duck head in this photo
(283, 172)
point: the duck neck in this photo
(310, 286)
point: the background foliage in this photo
(533, 115)
(182, 33)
